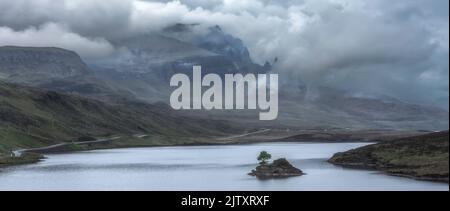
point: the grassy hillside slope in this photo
(423, 157)
(33, 118)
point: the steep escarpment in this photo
(55, 69)
(31, 65)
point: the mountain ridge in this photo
(30, 117)
(135, 73)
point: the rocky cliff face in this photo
(55, 69)
(33, 65)
(145, 63)
(221, 43)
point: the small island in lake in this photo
(279, 168)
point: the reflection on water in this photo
(199, 168)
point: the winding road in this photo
(244, 135)
(18, 153)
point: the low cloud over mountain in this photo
(394, 48)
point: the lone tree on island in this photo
(264, 157)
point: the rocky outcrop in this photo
(280, 168)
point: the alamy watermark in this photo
(238, 92)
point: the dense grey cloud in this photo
(395, 48)
(55, 35)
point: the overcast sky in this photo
(398, 48)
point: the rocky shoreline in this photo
(280, 168)
(26, 158)
(422, 157)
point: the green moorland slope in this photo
(421, 157)
(34, 118)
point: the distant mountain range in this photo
(142, 66)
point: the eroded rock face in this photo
(35, 65)
(280, 168)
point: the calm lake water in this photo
(199, 168)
